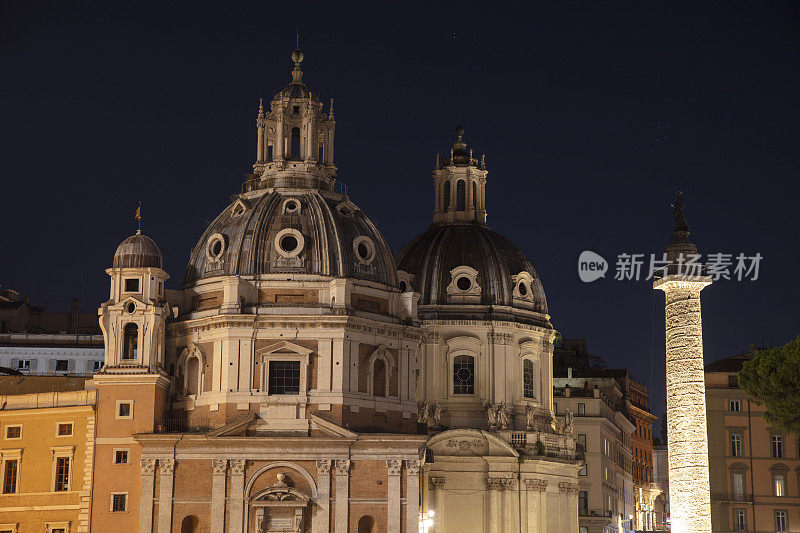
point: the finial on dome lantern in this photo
(483, 160)
(138, 217)
(331, 113)
(260, 108)
(297, 57)
(459, 133)
(437, 161)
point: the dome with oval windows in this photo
(293, 232)
(459, 266)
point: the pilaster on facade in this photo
(394, 468)
(342, 494)
(322, 518)
(236, 516)
(219, 471)
(148, 472)
(166, 471)
(413, 469)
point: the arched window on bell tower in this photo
(295, 144)
(446, 195)
(474, 195)
(131, 341)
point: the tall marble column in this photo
(537, 508)
(412, 496)
(495, 486)
(342, 495)
(166, 470)
(436, 503)
(219, 470)
(322, 519)
(569, 505)
(146, 496)
(236, 517)
(394, 467)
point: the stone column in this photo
(342, 495)
(166, 470)
(219, 469)
(235, 519)
(394, 467)
(278, 151)
(412, 496)
(322, 520)
(537, 511)
(495, 486)
(146, 496)
(687, 436)
(569, 505)
(436, 501)
(510, 498)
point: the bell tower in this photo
(460, 185)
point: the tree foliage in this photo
(772, 378)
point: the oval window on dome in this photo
(215, 247)
(464, 283)
(291, 206)
(523, 288)
(289, 242)
(403, 286)
(364, 249)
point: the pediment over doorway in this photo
(469, 443)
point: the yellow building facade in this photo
(46, 460)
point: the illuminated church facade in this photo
(304, 379)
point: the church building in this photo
(302, 379)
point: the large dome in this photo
(432, 256)
(298, 232)
(138, 251)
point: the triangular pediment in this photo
(284, 347)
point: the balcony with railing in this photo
(732, 497)
(182, 425)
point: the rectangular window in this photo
(119, 502)
(62, 474)
(581, 408)
(583, 502)
(735, 405)
(582, 440)
(779, 483)
(124, 410)
(733, 381)
(284, 377)
(736, 445)
(24, 365)
(62, 365)
(780, 521)
(10, 475)
(65, 429)
(777, 446)
(132, 285)
(463, 374)
(13, 432)
(583, 471)
(121, 457)
(739, 523)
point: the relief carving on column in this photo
(166, 466)
(412, 467)
(324, 466)
(495, 483)
(436, 482)
(237, 466)
(342, 467)
(148, 466)
(534, 484)
(219, 466)
(568, 488)
(394, 466)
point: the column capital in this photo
(166, 466)
(219, 466)
(148, 466)
(436, 482)
(509, 484)
(412, 467)
(495, 483)
(395, 466)
(342, 467)
(568, 488)
(324, 466)
(536, 484)
(237, 466)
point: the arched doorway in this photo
(366, 524)
(190, 524)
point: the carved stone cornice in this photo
(324, 467)
(219, 466)
(342, 467)
(568, 488)
(394, 466)
(237, 466)
(166, 466)
(148, 466)
(534, 484)
(436, 482)
(412, 467)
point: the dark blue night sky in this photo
(103, 105)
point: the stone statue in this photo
(677, 213)
(531, 423)
(429, 413)
(491, 414)
(504, 415)
(422, 412)
(436, 416)
(569, 424)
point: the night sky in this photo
(590, 119)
